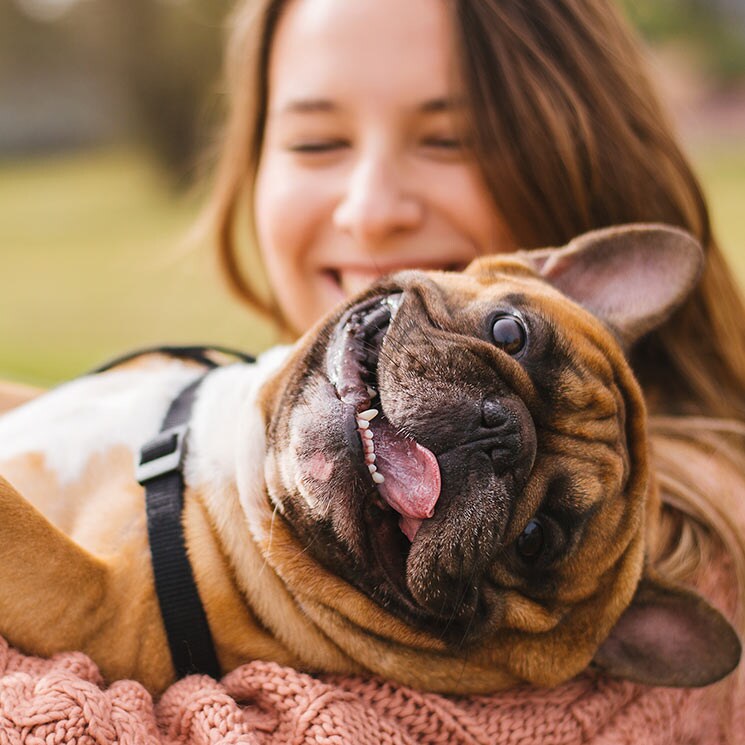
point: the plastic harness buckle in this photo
(163, 454)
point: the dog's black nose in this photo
(506, 435)
(494, 414)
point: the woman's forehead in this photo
(343, 49)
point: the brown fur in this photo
(296, 582)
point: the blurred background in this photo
(108, 111)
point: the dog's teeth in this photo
(367, 433)
(368, 447)
(372, 467)
(368, 415)
(378, 478)
(370, 457)
(362, 423)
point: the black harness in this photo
(159, 471)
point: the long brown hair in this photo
(570, 136)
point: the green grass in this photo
(721, 169)
(93, 262)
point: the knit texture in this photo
(64, 700)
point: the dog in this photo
(15, 394)
(445, 483)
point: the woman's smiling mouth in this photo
(352, 280)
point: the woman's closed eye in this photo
(318, 146)
(444, 146)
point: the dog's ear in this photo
(669, 636)
(632, 277)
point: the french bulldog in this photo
(446, 483)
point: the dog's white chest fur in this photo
(92, 415)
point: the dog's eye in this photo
(531, 542)
(509, 334)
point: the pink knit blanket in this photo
(64, 700)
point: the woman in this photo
(371, 135)
(366, 136)
(542, 125)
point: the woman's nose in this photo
(375, 204)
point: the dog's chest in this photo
(72, 451)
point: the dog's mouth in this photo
(404, 475)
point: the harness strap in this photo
(159, 471)
(195, 353)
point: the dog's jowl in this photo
(445, 483)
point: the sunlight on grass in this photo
(93, 262)
(721, 168)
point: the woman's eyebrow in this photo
(325, 105)
(307, 106)
(438, 105)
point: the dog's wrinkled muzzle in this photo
(447, 458)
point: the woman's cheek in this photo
(279, 209)
(462, 196)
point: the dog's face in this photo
(469, 451)
(501, 443)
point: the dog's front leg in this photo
(51, 590)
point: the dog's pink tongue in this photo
(412, 476)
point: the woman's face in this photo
(362, 171)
